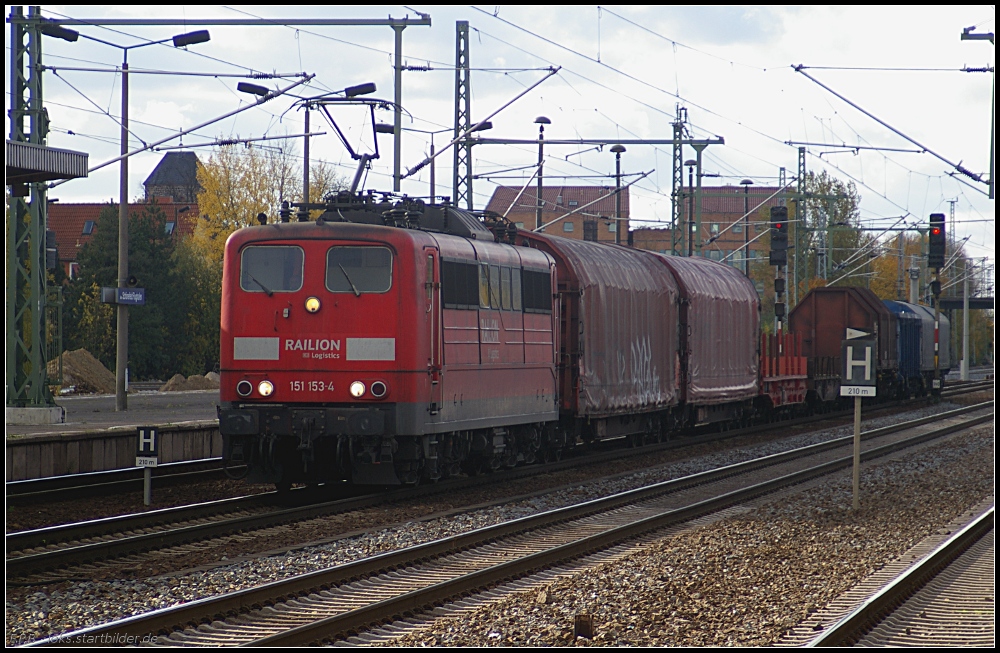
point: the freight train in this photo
(393, 341)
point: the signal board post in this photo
(147, 456)
(857, 380)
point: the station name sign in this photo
(129, 296)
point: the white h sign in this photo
(865, 363)
(858, 378)
(148, 450)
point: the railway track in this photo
(76, 486)
(52, 554)
(945, 599)
(116, 481)
(329, 604)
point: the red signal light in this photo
(936, 231)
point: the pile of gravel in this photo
(83, 373)
(178, 383)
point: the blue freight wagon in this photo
(909, 328)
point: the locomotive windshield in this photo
(358, 269)
(270, 269)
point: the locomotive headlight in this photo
(312, 304)
(357, 389)
(265, 388)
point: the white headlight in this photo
(312, 304)
(357, 389)
(265, 388)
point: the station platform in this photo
(95, 437)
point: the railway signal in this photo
(936, 242)
(779, 236)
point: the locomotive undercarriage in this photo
(308, 453)
(388, 460)
(285, 445)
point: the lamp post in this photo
(541, 121)
(121, 357)
(746, 183)
(618, 149)
(690, 163)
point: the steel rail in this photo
(219, 607)
(75, 486)
(865, 617)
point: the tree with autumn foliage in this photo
(240, 183)
(897, 254)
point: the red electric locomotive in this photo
(389, 343)
(383, 344)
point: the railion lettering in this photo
(312, 344)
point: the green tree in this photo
(198, 346)
(155, 329)
(827, 244)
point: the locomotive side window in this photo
(515, 286)
(270, 269)
(495, 286)
(358, 269)
(505, 288)
(537, 291)
(484, 285)
(459, 284)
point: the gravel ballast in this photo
(746, 580)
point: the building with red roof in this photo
(172, 186)
(592, 207)
(724, 231)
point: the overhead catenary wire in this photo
(866, 176)
(957, 166)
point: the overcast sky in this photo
(623, 73)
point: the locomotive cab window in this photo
(270, 269)
(358, 269)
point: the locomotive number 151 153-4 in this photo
(310, 386)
